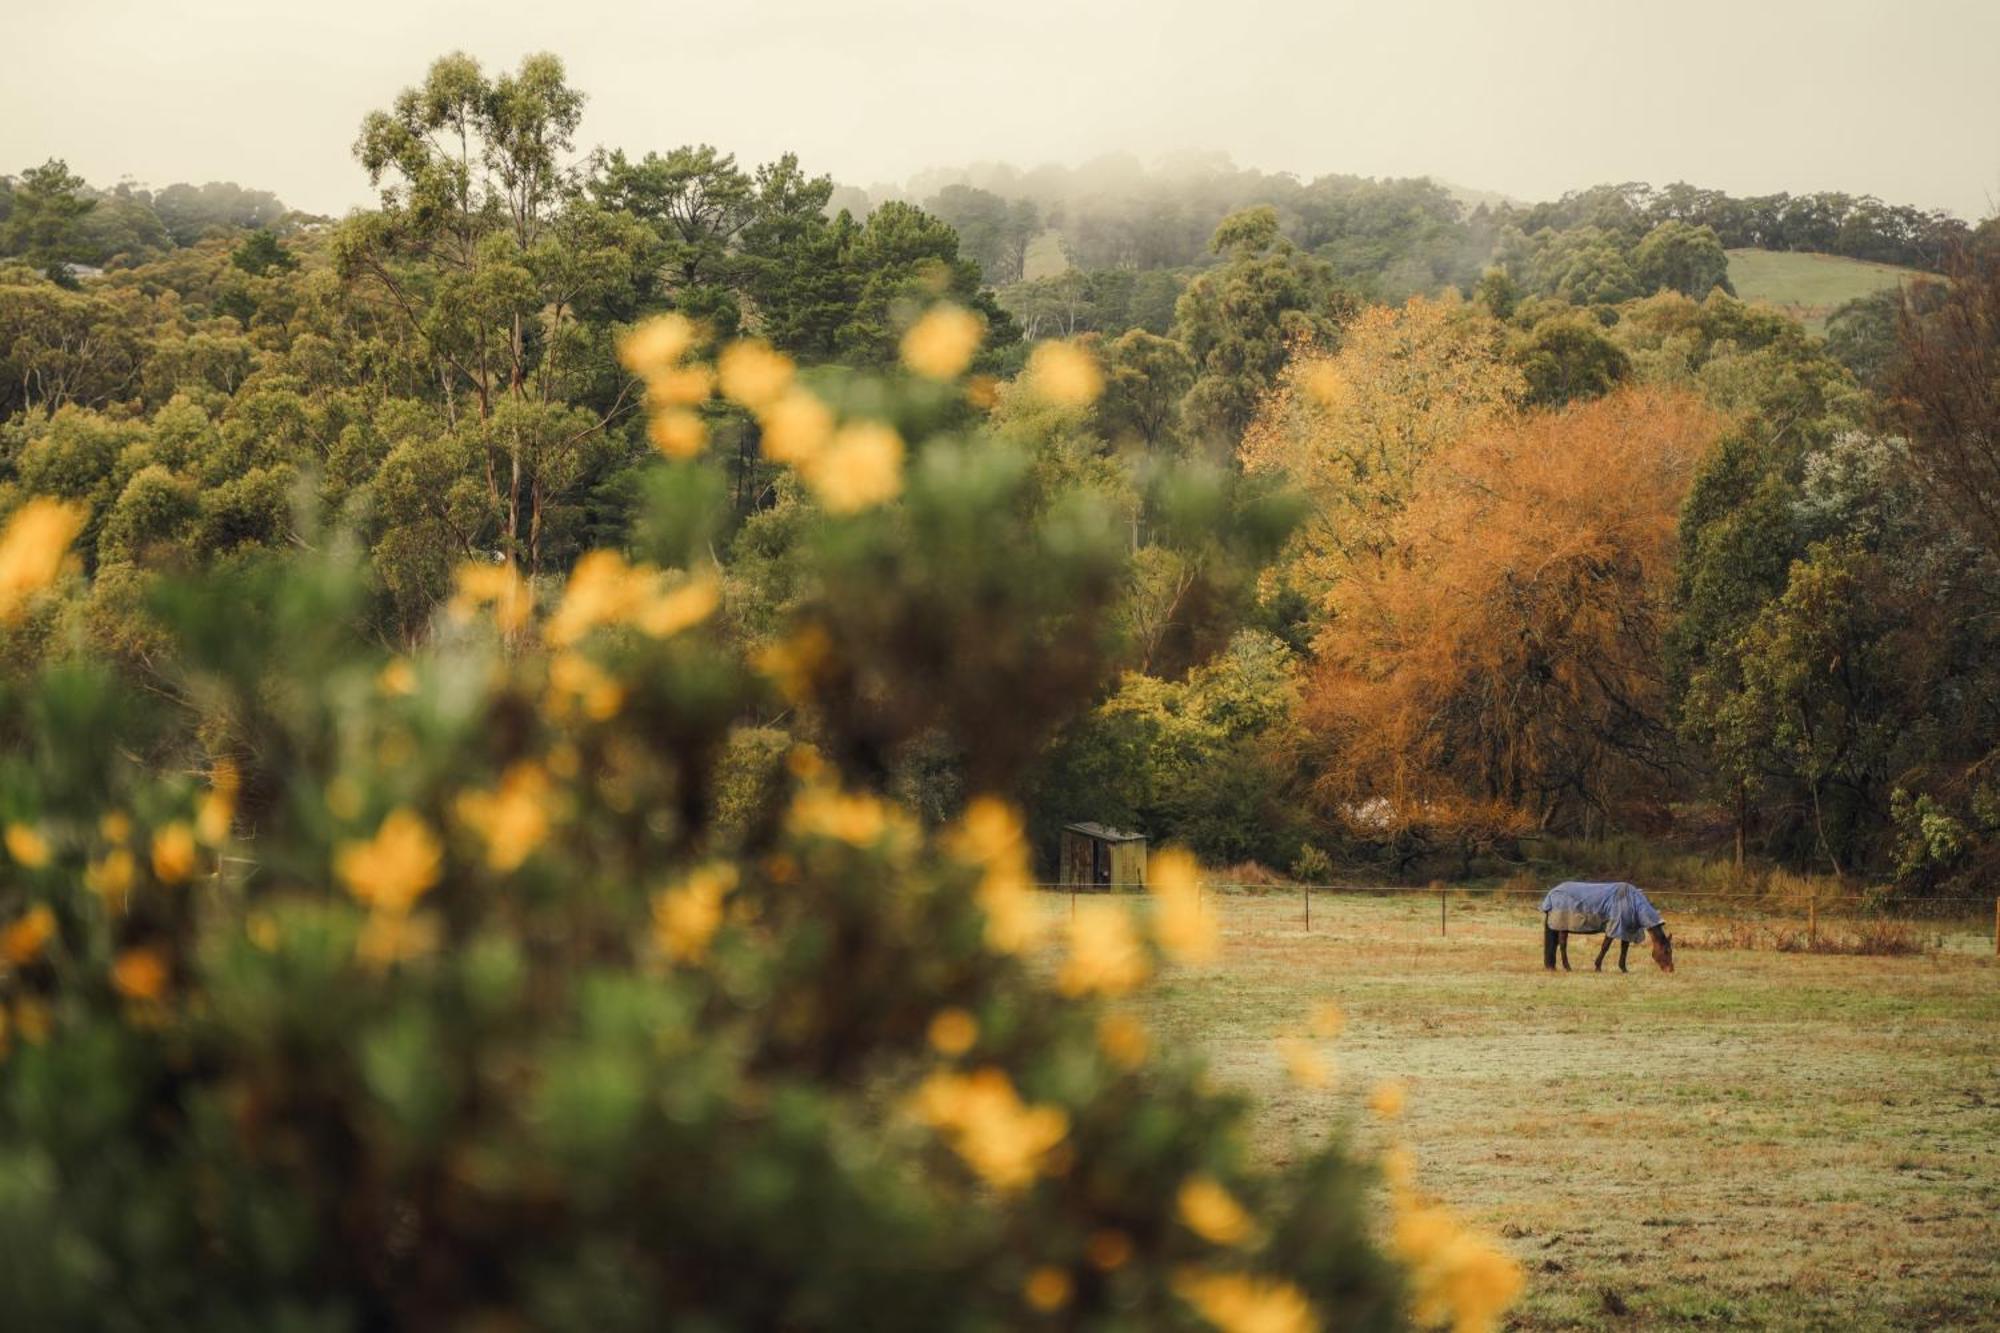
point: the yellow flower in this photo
(796, 427)
(262, 928)
(390, 937)
(1104, 954)
(112, 878)
(1303, 1062)
(1108, 1249)
(27, 935)
(1457, 1276)
(681, 607)
(1239, 1303)
(941, 344)
(1048, 1289)
(952, 1032)
(656, 346)
(753, 375)
(1063, 375)
(115, 826)
(860, 468)
(574, 678)
(33, 549)
(686, 917)
(1386, 1099)
(512, 820)
(1182, 928)
(678, 433)
(1327, 1020)
(396, 867)
(1211, 1212)
(602, 589)
(989, 835)
(28, 847)
(218, 805)
(140, 974)
(855, 818)
(397, 678)
(1123, 1040)
(685, 386)
(173, 853)
(477, 586)
(1003, 1139)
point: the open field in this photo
(1808, 287)
(1762, 1140)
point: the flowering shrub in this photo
(353, 989)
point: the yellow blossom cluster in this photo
(1004, 1140)
(1123, 1039)
(654, 351)
(577, 683)
(856, 818)
(389, 873)
(686, 916)
(1063, 375)
(1458, 1277)
(1104, 956)
(24, 938)
(604, 590)
(990, 836)
(173, 853)
(140, 974)
(1179, 924)
(952, 1032)
(218, 803)
(28, 848)
(1304, 1064)
(476, 587)
(33, 550)
(941, 344)
(1241, 1303)
(1209, 1210)
(512, 819)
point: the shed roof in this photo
(1103, 834)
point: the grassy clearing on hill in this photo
(1808, 287)
(1763, 1140)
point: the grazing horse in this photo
(1616, 911)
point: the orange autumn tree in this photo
(1351, 429)
(1495, 667)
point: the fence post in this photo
(1309, 908)
(1996, 927)
(1812, 918)
(1441, 929)
(1072, 903)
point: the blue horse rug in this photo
(1618, 910)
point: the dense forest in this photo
(1699, 570)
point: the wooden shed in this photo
(1096, 857)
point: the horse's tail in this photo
(1548, 944)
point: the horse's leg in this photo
(1623, 945)
(1548, 947)
(1606, 948)
(1562, 942)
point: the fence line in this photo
(1962, 911)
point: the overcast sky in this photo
(1897, 98)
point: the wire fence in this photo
(1698, 918)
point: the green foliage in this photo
(461, 988)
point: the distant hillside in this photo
(1809, 287)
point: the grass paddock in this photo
(1761, 1140)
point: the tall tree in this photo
(1239, 320)
(45, 226)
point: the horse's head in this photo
(1663, 948)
